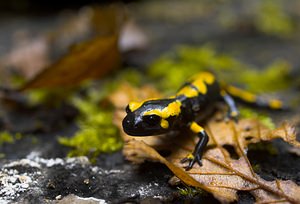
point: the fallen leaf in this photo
(220, 174)
(86, 60)
(34, 50)
(96, 34)
(84, 46)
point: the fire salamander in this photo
(153, 117)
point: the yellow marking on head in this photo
(246, 96)
(173, 109)
(196, 128)
(134, 105)
(275, 104)
(164, 123)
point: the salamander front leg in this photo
(199, 149)
(233, 112)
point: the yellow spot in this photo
(196, 128)
(199, 81)
(188, 92)
(234, 114)
(246, 96)
(207, 77)
(200, 85)
(134, 105)
(172, 109)
(164, 123)
(275, 104)
(223, 93)
(190, 156)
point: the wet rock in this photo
(52, 179)
(78, 200)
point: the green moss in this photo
(172, 69)
(264, 119)
(131, 76)
(91, 141)
(97, 133)
(272, 19)
(51, 97)
(6, 137)
(256, 167)
(17, 80)
(2, 155)
(189, 191)
(274, 77)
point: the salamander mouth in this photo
(131, 129)
(137, 130)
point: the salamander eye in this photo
(151, 119)
(127, 109)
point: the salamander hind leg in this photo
(196, 156)
(233, 112)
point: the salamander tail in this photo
(252, 99)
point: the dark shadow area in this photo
(271, 160)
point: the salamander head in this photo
(151, 117)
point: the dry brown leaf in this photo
(220, 174)
(102, 31)
(94, 34)
(87, 60)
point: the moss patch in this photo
(264, 119)
(189, 191)
(174, 68)
(272, 19)
(6, 137)
(97, 133)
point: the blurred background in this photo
(256, 32)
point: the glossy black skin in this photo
(135, 125)
(193, 107)
(191, 110)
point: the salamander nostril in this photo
(125, 123)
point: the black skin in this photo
(136, 124)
